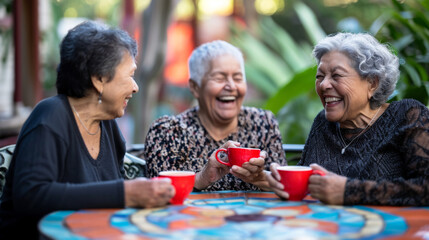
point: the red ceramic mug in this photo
(183, 183)
(295, 180)
(237, 155)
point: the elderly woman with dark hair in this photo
(187, 141)
(374, 152)
(70, 151)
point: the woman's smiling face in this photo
(222, 90)
(119, 90)
(342, 91)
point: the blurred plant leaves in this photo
(407, 29)
(254, 76)
(283, 70)
(290, 52)
(300, 84)
(309, 22)
(412, 73)
(260, 57)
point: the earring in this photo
(99, 98)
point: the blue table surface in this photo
(240, 215)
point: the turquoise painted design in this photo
(52, 226)
(244, 217)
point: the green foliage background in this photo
(285, 72)
(279, 64)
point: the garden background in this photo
(276, 37)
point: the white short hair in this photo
(200, 59)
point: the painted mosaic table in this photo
(240, 215)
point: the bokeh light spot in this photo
(268, 7)
(216, 7)
(70, 13)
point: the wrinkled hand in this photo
(213, 170)
(329, 189)
(142, 192)
(252, 171)
(273, 178)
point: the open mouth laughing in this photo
(332, 100)
(226, 99)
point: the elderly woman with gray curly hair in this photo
(373, 152)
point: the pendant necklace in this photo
(80, 120)
(343, 150)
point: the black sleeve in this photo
(37, 168)
(413, 187)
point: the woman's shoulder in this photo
(405, 112)
(320, 118)
(320, 124)
(188, 117)
(52, 109)
(253, 112)
(50, 113)
(407, 106)
(51, 104)
(250, 117)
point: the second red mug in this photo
(237, 155)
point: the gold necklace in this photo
(86, 129)
(343, 150)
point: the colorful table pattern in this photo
(240, 215)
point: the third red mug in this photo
(183, 182)
(295, 180)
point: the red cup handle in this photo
(319, 172)
(218, 159)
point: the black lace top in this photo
(386, 165)
(182, 143)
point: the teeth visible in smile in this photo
(126, 100)
(227, 98)
(332, 99)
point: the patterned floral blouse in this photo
(387, 165)
(182, 143)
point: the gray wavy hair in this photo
(371, 59)
(199, 63)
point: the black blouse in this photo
(52, 170)
(386, 165)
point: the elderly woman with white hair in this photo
(187, 141)
(374, 152)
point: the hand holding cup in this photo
(183, 183)
(291, 182)
(237, 155)
(213, 170)
(142, 192)
(295, 180)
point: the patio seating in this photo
(134, 166)
(5, 158)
